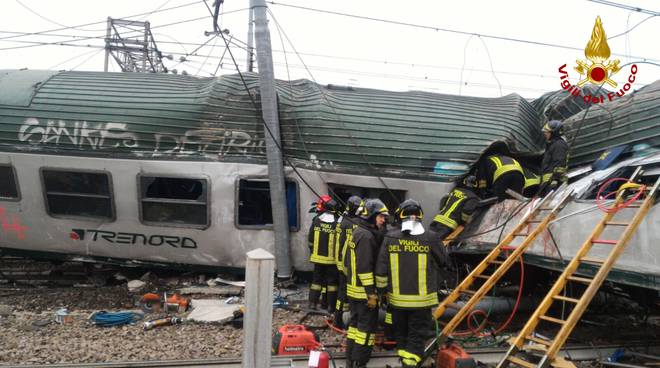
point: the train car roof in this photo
(354, 130)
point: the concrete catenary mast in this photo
(272, 135)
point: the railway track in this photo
(575, 353)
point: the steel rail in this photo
(485, 355)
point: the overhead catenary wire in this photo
(102, 21)
(325, 98)
(436, 28)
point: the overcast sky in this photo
(353, 51)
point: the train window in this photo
(8, 183)
(253, 208)
(174, 201)
(78, 194)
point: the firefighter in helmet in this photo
(321, 243)
(456, 208)
(360, 261)
(406, 270)
(344, 234)
(497, 173)
(555, 158)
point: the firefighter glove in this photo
(372, 301)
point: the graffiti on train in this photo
(14, 226)
(133, 238)
(214, 140)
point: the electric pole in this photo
(273, 143)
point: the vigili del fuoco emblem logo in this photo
(597, 69)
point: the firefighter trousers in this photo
(325, 276)
(342, 301)
(411, 328)
(361, 332)
(513, 180)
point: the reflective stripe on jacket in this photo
(322, 240)
(407, 267)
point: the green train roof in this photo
(364, 131)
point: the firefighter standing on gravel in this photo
(456, 208)
(407, 269)
(555, 158)
(344, 235)
(360, 286)
(321, 244)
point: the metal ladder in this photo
(529, 227)
(548, 348)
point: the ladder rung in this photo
(485, 277)
(617, 223)
(535, 221)
(604, 241)
(539, 341)
(566, 299)
(521, 234)
(553, 320)
(580, 279)
(592, 260)
(496, 262)
(468, 291)
(520, 362)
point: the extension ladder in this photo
(532, 224)
(548, 348)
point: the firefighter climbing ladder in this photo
(549, 348)
(496, 258)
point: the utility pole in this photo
(250, 38)
(273, 152)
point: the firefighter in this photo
(555, 158)
(532, 182)
(321, 243)
(456, 208)
(344, 234)
(406, 270)
(360, 286)
(497, 173)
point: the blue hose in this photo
(110, 319)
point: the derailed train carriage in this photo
(166, 169)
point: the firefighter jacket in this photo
(532, 182)
(360, 260)
(344, 235)
(407, 267)
(490, 169)
(322, 239)
(457, 208)
(555, 161)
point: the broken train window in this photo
(78, 193)
(253, 207)
(174, 201)
(8, 183)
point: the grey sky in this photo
(356, 51)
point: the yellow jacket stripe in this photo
(421, 273)
(367, 279)
(446, 221)
(501, 168)
(394, 271)
(413, 301)
(381, 282)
